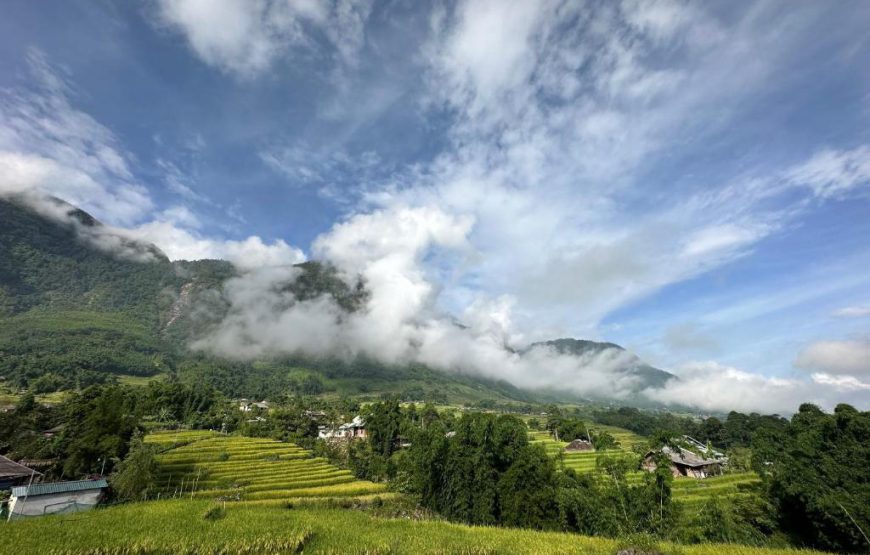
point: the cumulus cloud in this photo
(849, 357)
(245, 37)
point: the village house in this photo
(684, 463)
(355, 429)
(579, 445)
(56, 497)
(246, 405)
(16, 474)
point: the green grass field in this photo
(205, 465)
(204, 527)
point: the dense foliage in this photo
(819, 474)
(736, 430)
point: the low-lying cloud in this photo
(402, 321)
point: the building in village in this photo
(355, 429)
(16, 474)
(55, 497)
(684, 462)
(246, 405)
(579, 445)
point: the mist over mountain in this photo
(81, 299)
(648, 376)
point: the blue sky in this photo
(690, 180)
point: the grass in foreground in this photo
(203, 527)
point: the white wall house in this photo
(352, 430)
(57, 497)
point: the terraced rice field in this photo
(688, 491)
(626, 438)
(166, 439)
(238, 468)
(586, 461)
(692, 492)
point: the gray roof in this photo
(11, 469)
(687, 458)
(58, 487)
(579, 445)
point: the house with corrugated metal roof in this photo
(16, 474)
(55, 497)
(683, 463)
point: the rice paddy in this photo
(688, 491)
(203, 527)
(584, 462)
(692, 492)
(235, 468)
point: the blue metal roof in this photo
(58, 487)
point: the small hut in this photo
(684, 463)
(579, 445)
(56, 497)
(15, 474)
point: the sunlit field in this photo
(204, 527)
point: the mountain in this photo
(647, 376)
(81, 304)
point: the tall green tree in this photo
(819, 481)
(136, 475)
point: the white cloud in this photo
(175, 234)
(245, 37)
(853, 312)
(832, 173)
(713, 387)
(837, 357)
(557, 106)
